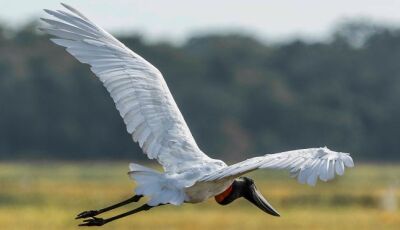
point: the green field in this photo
(49, 195)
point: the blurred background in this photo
(250, 77)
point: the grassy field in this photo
(49, 195)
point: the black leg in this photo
(93, 213)
(94, 221)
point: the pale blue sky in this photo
(174, 20)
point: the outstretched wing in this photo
(138, 89)
(305, 164)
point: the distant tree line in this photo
(240, 97)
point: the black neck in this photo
(239, 189)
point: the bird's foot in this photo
(87, 214)
(94, 221)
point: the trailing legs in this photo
(95, 221)
(93, 213)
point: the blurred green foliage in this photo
(49, 195)
(240, 97)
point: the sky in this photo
(176, 20)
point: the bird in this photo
(152, 117)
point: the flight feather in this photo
(138, 89)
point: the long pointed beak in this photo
(258, 200)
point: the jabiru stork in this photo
(153, 119)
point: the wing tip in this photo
(64, 5)
(336, 163)
(68, 7)
(48, 11)
(75, 11)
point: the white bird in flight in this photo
(152, 117)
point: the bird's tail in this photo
(154, 185)
(147, 179)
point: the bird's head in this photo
(245, 187)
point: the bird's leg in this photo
(95, 221)
(93, 213)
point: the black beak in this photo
(255, 197)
